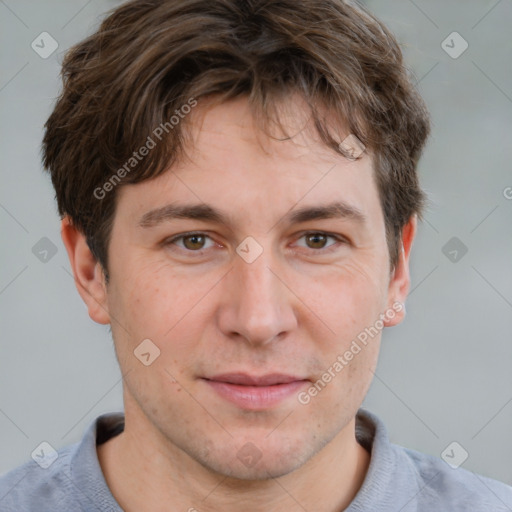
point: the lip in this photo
(255, 392)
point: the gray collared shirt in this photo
(398, 479)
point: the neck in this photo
(155, 475)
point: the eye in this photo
(191, 242)
(317, 241)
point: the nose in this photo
(258, 306)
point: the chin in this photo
(259, 460)
(263, 470)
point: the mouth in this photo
(255, 392)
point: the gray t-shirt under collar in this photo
(398, 479)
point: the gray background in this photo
(444, 375)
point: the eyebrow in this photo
(205, 212)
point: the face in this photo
(250, 294)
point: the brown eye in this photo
(320, 242)
(190, 243)
(316, 240)
(193, 242)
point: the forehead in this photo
(229, 163)
(294, 137)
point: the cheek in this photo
(347, 299)
(149, 298)
(167, 308)
(349, 303)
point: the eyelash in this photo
(200, 252)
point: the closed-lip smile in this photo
(255, 392)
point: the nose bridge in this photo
(258, 307)
(256, 279)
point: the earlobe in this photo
(400, 279)
(87, 271)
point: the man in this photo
(239, 198)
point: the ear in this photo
(88, 273)
(400, 279)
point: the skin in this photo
(293, 310)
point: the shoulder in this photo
(32, 487)
(454, 489)
(70, 479)
(403, 479)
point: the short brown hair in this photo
(150, 57)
